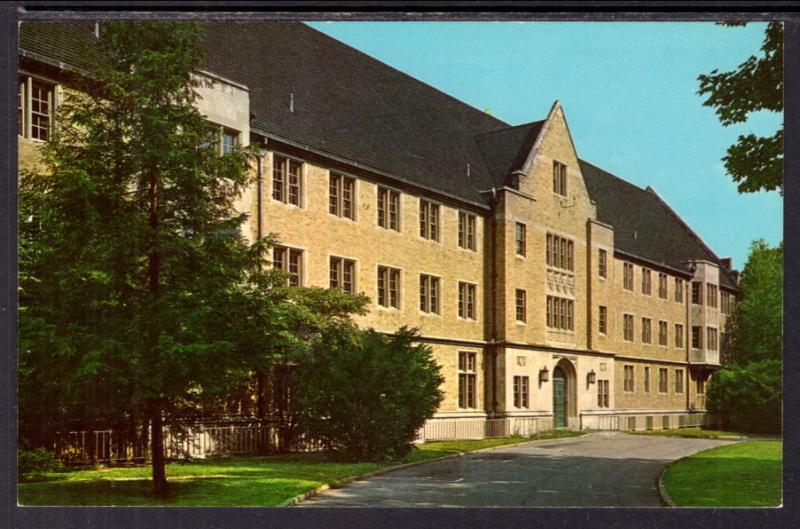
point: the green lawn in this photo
(701, 433)
(739, 475)
(246, 481)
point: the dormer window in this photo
(559, 178)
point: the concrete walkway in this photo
(604, 469)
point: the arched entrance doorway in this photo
(564, 393)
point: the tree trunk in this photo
(158, 463)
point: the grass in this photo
(738, 475)
(699, 433)
(264, 481)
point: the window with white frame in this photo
(559, 178)
(602, 394)
(602, 319)
(467, 379)
(343, 274)
(388, 287)
(287, 180)
(602, 263)
(521, 392)
(646, 330)
(627, 276)
(429, 294)
(521, 239)
(466, 231)
(35, 108)
(627, 327)
(428, 220)
(290, 260)
(521, 305)
(389, 209)
(341, 196)
(466, 300)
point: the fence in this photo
(440, 429)
(195, 441)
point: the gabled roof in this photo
(644, 225)
(352, 106)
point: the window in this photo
(646, 330)
(286, 180)
(727, 302)
(712, 295)
(602, 393)
(700, 386)
(466, 300)
(662, 286)
(290, 260)
(627, 276)
(712, 338)
(679, 290)
(560, 252)
(467, 375)
(341, 194)
(520, 238)
(697, 337)
(697, 293)
(428, 220)
(388, 287)
(628, 382)
(560, 312)
(521, 385)
(602, 263)
(646, 281)
(647, 379)
(466, 231)
(627, 327)
(602, 318)
(429, 294)
(662, 333)
(521, 305)
(388, 209)
(229, 140)
(35, 105)
(679, 381)
(678, 335)
(663, 380)
(343, 274)
(559, 178)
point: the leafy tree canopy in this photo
(755, 162)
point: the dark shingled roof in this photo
(353, 106)
(644, 225)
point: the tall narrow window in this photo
(521, 308)
(679, 290)
(646, 285)
(627, 276)
(559, 178)
(662, 286)
(341, 196)
(679, 381)
(228, 140)
(388, 209)
(712, 339)
(521, 239)
(646, 330)
(560, 313)
(602, 263)
(429, 294)
(697, 337)
(466, 300)
(663, 380)
(466, 231)
(700, 386)
(428, 220)
(602, 318)
(521, 387)
(712, 295)
(627, 327)
(697, 293)
(467, 377)
(290, 260)
(662, 333)
(628, 380)
(41, 110)
(388, 287)
(286, 180)
(602, 393)
(647, 379)
(678, 335)
(342, 274)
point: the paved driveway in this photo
(595, 470)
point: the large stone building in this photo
(552, 292)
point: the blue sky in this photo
(629, 93)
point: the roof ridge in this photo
(397, 70)
(511, 127)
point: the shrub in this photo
(364, 394)
(38, 460)
(748, 398)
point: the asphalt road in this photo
(604, 469)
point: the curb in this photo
(662, 490)
(344, 481)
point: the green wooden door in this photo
(559, 399)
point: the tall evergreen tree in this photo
(136, 284)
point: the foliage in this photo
(738, 475)
(754, 162)
(365, 394)
(757, 323)
(37, 460)
(748, 397)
